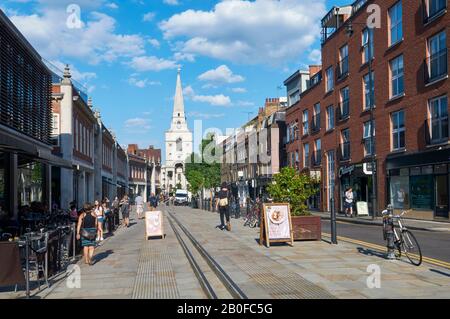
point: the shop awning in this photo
(54, 160)
(420, 158)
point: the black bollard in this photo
(333, 222)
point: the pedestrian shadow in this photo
(371, 252)
(100, 256)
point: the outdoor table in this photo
(11, 272)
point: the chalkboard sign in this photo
(154, 224)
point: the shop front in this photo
(359, 178)
(420, 183)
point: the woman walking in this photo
(349, 202)
(125, 209)
(87, 231)
(100, 213)
(222, 205)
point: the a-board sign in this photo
(154, 224)
(362, 209)
(276, 224)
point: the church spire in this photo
(178, 104)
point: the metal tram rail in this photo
(232, 288)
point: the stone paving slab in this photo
(340, 270)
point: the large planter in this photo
(307, 227)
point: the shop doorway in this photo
(442, 197)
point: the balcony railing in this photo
(432, 12)
(316, 79)
(436, 130)
(344, 151)
(436, 66)
(315, 124)
(342, 68)
(316, 158)
(343, 110)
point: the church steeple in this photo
(178, 103)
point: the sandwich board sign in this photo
(154, 224)
(362, 209)
(276, 224)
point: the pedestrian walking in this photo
(125, 210)
(87, 230)
(153, 202)
(223, 205)
(107, 217)
(349, 202)
(139, 206)
(100, 213)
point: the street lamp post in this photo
(349, 31)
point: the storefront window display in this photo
(399, 188)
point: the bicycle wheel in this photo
(253, 223)
(411, 248)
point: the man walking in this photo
(222, 205)
(153, 202)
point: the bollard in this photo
(333, 222)
(388, 224)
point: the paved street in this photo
(433, 244)
(127, 266)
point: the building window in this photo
(306, 155)
(315, 125)
(397, 76)
(55, 130)
(398, 130)
(343, 64)
(330, 79)
(344, 105)
(434, 8)
(305, 123)
(399, 188)
(317, 156)
(438, 120)
(345, 145)
(179, 145)
(369, 86)
(437, 60)
(396, 25)
(297, 160)
(330, 117)
(367, 46)
(368, 141)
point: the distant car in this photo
(181, 198)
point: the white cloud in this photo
(112, 5)
(216, 100)
(315, 56)
(138, 124)
(221, 74)
(179, 56)
(245, 103)
(95, 42)
(260, 31)
(151, 63)
(239, 90)
(171, 2)
(155, 43)
(148, 16)
(206, 116)
(142, 83)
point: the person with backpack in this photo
(222, 205)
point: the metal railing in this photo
(436, 66)
(343, 110)
(436, 130)
(342, 68)
(430, 13)
(344, 151)
(316, 158)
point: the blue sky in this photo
(233, 54)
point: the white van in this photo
(181, 197)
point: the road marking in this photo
(429, 260)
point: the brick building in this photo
(409, 100)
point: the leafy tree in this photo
(290, 187)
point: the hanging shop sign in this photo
(154, 224)
(367, 168)
(276, 224)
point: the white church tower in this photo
(178, 143)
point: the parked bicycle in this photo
(253, 214)
(404, 240)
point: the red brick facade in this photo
(414, 102)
